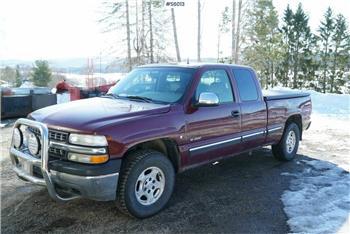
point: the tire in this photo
(284, 150)
(141, 192)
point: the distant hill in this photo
(73, 65)
(79, 65)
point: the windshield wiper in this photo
(146, 99)
(111, 95)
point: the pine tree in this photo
(265, 50)
(18, 76)
(288, 41)
(340, 54)
(303, 35)
(326, 31)
(41, 73)
(309, 65)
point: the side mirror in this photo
(207, 99)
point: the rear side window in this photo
(245, 84)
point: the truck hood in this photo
(88, 115)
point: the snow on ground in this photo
(318, 200)
(81, 78)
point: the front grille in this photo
(57, 153)
(58, 136)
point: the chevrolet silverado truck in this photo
(159, 120)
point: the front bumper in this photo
(62, 186)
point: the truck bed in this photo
(276, 95)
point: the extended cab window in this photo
(218, 82)
(245, 84)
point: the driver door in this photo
(214, 131)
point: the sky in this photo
(55, 29)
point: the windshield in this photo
(163, 85)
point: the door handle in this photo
(235, 114)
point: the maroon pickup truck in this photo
(159, 120)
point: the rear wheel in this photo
(287, 148)
(146, 183)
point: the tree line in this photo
(40, 74)
(288, 53)
(283, 53)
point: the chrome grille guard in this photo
(33, 161)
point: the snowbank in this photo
(319, 198)
(329, 104)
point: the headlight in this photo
(33, 144)
(83, 158)
(17, 138)
(88, 140)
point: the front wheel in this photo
(146, 183)
(287, 148)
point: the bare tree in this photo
(138, 40)
(218, 45)
(238, 31)
(150, 31)
(142, 30)
(233, 30)
(223, 28)
(117, 19)
(199, 32)
(175, 36)
(143, 14)
(128, 35)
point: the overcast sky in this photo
(51, 29)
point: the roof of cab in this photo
(191, 65)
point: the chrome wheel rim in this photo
(290, 142)
(150, 185)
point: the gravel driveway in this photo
(238, 195)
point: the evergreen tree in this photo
(302, 37)
(18, 76)
(288, 42)
(41, 73)
(266, 49)
(326, 31)
(309, 65)
(8, 74)
(340, 54)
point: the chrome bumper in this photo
(61, 186)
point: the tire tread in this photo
(131, 160)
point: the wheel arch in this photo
(166, 146)
(297, 119)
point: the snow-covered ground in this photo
(318, 199)
(81, 79)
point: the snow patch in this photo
(318, 200)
